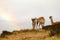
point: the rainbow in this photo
(8, 17)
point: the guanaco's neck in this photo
(51, 20)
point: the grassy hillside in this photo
(38, 34)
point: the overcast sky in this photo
(23, 10)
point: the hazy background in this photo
(17, 14)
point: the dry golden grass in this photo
(38, 34)
(30, 35)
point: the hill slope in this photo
(38, 34)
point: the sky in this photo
(17, 14)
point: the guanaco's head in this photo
(50, 17)
(33, 19)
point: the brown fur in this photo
(53, 23)
(36, 21)
(41, 21)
